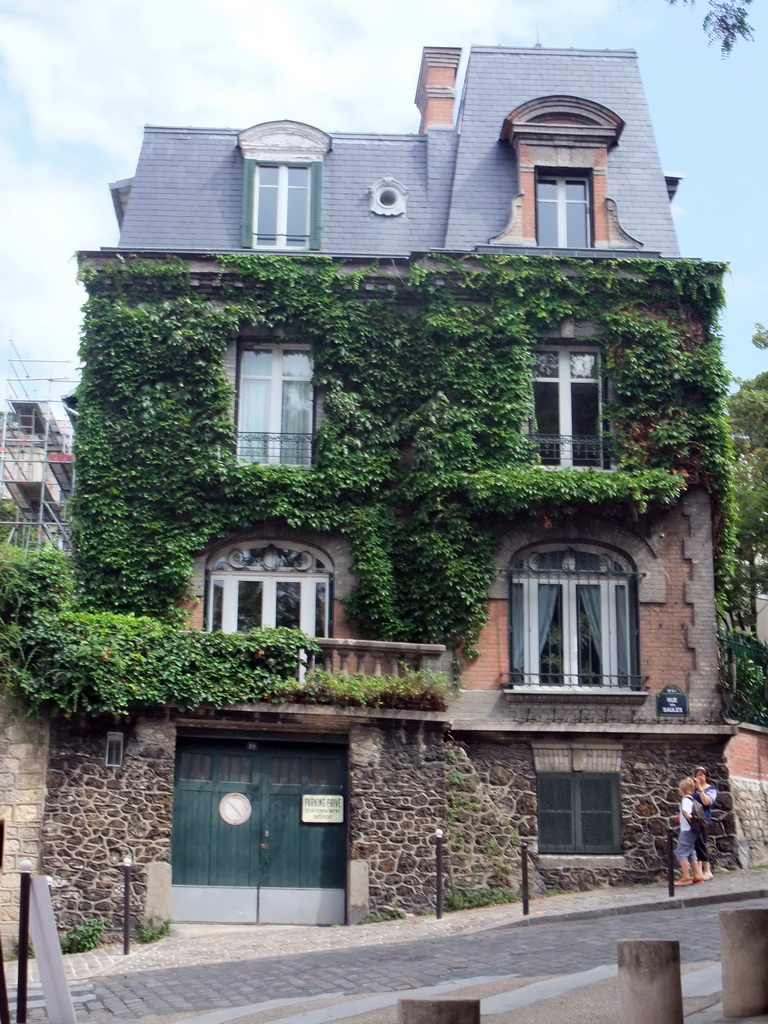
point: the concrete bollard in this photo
(744, 955)
(650, 991)
(438, 1011)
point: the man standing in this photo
(706, 794)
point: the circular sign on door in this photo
(234, 808)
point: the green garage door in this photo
(259, 832)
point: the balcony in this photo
(276, 449)
(573, 450)
(377, 657)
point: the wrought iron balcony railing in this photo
(573, 450)
(276, 449)
(570, 681)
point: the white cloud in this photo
(78, 79)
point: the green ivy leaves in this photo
(425, 372)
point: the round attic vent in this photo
(388, 197)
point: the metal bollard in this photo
(438, 873)
(671, 861)
(744, 955)
(649, 982)
(127, 906)
(524, 877)
(5, 1013)
(25, 867)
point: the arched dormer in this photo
(563, 121)
(562, 145)
(282, 184)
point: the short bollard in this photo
(127, 906)
(438, 1011)
(744, 955)
(438, 873)
(671, 862)
(23, 966)
(650, 991)
(524, 877)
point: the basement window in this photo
(114, 754)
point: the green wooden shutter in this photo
(246, 229)
(316, 205)
(598, 821)
(556, 820)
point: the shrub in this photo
(150, 931)
(469, 899)
(83, 936)
(413, 690)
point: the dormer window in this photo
(281, 197)
(561, 145)
(562, 212)
(282, 185)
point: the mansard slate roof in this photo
(187, 193)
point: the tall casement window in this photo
(281, 198)
(567, 394)
(573, 619)
(579, 812)
(282, 185)
(270, 585)
(275, 405)
(562, 212)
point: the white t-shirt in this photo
(686, 807)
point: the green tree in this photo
(749, 423)
(725, 21)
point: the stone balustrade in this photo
(376, 657)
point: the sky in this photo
(80, 78)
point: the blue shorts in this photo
(686, 845)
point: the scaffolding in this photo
(36, 461)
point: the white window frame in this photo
(231, 569)
(610, 627)
(276, 380)
(561, 203)
(307, 598)
(565, 398)
(283, 194)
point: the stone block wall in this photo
(96, 815)
(397, 800)
(23, 752)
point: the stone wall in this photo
(23, 751)
(747, 756)
(96, 815)
(397, 800)
(491, 807)
(501, 791)
(750, 804)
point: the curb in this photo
(672, 903)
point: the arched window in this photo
(573, 619)
(270, 584)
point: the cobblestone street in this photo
(207, 968)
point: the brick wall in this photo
(747, 754)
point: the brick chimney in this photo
(435, 92)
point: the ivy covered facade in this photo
(451, 400)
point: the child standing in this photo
(686, 842)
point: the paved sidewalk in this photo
(204, 946)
